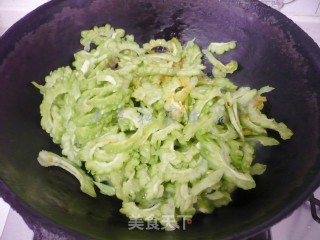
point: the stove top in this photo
(299, 225)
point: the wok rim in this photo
(19, 29)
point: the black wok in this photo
(272, 50)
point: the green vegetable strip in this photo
(148, 126)
(48, 159)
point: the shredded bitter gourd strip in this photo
(151, 127)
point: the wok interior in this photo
(271, 50)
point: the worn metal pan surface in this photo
(272, 50)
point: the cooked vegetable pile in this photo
(146, 124)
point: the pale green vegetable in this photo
(147, 125)
(221, 47)
(48, 159)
